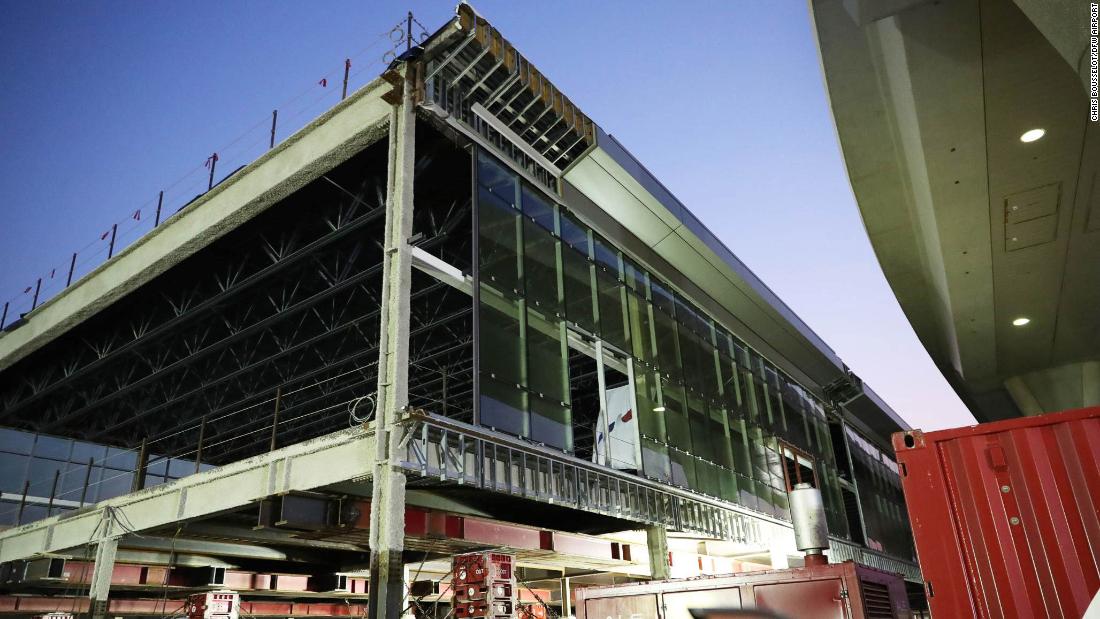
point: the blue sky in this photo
(107, 103)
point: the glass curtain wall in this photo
(711, 411)
(880, 495)
(57, 474)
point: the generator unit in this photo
(214, 605)
(484, 585)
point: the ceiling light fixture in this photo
(659, 409)
(1021, 321)
(1032, 134)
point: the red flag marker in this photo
(323, 82)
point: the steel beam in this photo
(387, 520)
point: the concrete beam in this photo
(332, 138)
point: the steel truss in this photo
(275, 325)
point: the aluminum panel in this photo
(1006, 515)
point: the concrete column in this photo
(387, 519)
(656, 538)
(100, 587)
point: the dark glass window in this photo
(540, 265)
(538, 209)
(551, 423)
(612, 298)
(16, 442)
(577, 275)
(52, 447)
(547, 354)
(503, 407)
(498, 244)
(501, 339)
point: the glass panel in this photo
(668, 348)
(683, 468)
(699, 427)
(498, 244)
(579, 301)
(634, 276)
(574, 233)
(661, 296)
(612, 311)
(547, 358)
(606, 257)
(498, 180)
(16, 442)
(501, 341)
(540, 269)
(655, 460)
(13, 472)
(52, 447)
(538, 208)
(642, 339)
(677, 426)
(651, 413)
(503, 407)
(551, 423)
(82, 452)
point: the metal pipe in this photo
(213, 161)
(72, 267)
(22, 502)
(87, 480)
(4, 316)
(160, 202)
(37, 289)
(198, 451)
(142, 467)
(409, 32)
(114, 234)
(53, 491)
(275, 419)
(274, 119)
(347, 70)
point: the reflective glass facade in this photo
(84, 472)
(714, 415)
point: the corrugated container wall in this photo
(1006, 515)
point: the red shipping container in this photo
(1006, 515)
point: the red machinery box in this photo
(484, 585)
(214, 605)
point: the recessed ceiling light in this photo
(1032, 134)
(1021, 321)
(659, 409)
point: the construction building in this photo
(450, 314)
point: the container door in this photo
(807, 599)
(622, 607)
(680, 604)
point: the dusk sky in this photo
(108, 103)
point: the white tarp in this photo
(622, 430)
